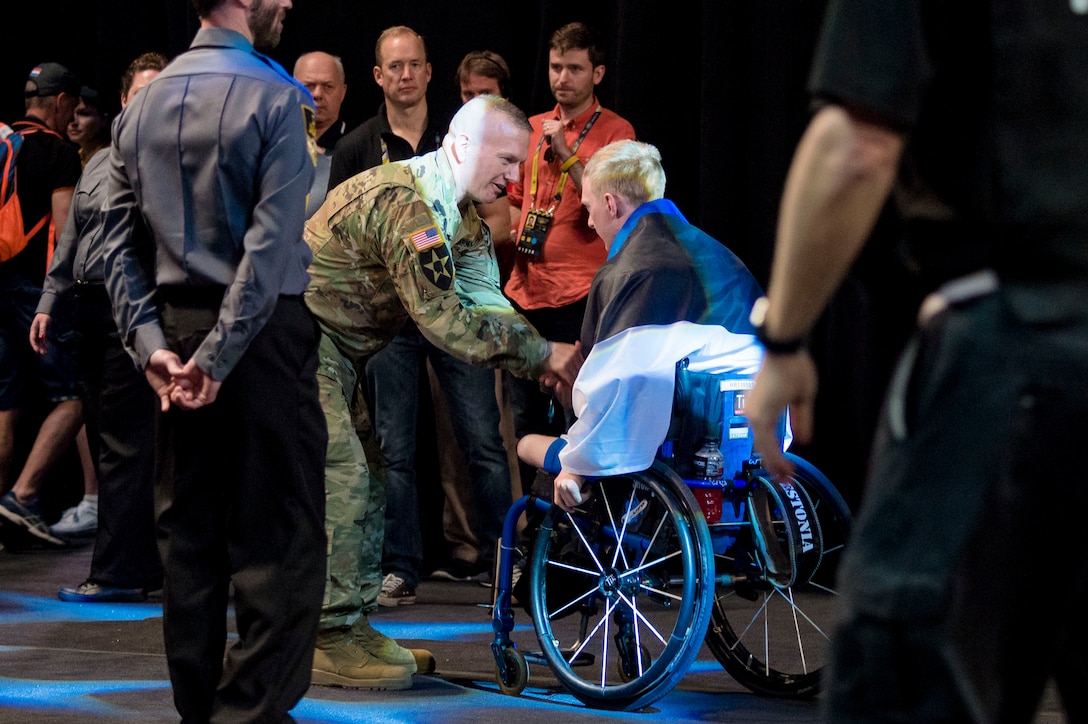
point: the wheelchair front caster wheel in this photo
(631, 666)
(512, 681)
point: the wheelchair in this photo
(624, 591)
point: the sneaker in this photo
(29, 516)
(485, 578)
(88, 592)
(340, 661)
(79, 520)
(396, 591)
(382, 647)
(458, 569)
(515, 575)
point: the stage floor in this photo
(68, 663)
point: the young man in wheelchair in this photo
(668, 291)
(668, 349)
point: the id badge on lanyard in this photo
(537, 224)
(539, 221)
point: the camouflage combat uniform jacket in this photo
(390, 243)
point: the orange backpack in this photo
(13, 234)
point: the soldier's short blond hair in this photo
(630, 169)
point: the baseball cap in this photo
(51, 79)
(91, 97)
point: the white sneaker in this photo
(79, 520)
(515, 576)
(396, 591)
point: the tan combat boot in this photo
(340, 661)
(382, 647)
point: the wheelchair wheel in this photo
(512, 682)
(621, 593)
(770, 630)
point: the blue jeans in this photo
(24, 373)
(393, 376)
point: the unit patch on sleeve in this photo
(308, 117)
(437, 266)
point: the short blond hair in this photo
(630, 169)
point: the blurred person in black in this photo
(965, 579)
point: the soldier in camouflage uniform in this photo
(396, 241)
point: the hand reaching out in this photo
(562, 363)
(783, 381)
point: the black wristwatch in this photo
(773, 346)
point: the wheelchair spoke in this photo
(575, 569)
(760, 611)
(797, 610)
(585, 542)
(638, 645)
(833, 549)
(659, 592)
(589, 637)
(645, 621)
(653, 539)
(650, 564)
(573, 602)
(796, 631)
(604, 649)
(622, 531)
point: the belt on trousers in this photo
(192, 296)
(205, 297)
(85, 288)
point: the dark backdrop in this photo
(717, 85)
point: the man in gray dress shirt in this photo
(209, 173)
(118, 405)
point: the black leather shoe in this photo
(88, 592)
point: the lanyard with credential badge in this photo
(538, 221)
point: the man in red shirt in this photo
(557, 253)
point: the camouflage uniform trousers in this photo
(354, 494)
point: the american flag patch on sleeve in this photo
(426, 237)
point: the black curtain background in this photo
(716, 85)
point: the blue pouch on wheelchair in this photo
(708, 406)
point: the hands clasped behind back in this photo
(185, 385)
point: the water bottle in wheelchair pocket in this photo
(708, 441)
